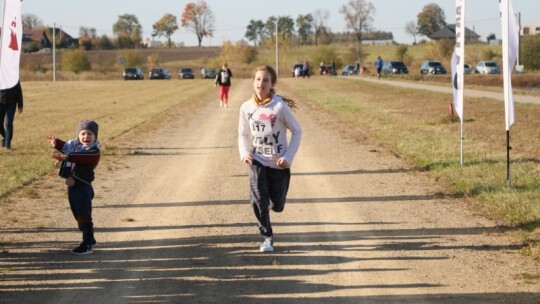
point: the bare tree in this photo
(412, 29)
(87, 32)
(30, 22)
(320, 17)
(198, 18)
(358, 16)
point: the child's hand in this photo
(248, 160)
(52, 140)
(282, 163)
(59, 158)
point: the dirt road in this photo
(448, 89)
(174, 226)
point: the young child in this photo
(78, 158)
(262, 142)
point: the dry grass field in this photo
(416, 126)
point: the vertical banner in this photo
(458, 58)
(10, 50)
(457, 66)
(510, 46)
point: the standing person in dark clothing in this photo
(378, 66)
(223, 79)
(305, 69)
(10, 100)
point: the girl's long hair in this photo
(273, 76)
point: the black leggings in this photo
(268, 190)
(80, 198)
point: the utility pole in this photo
(519, 39)
(54, 51)
(277, 49)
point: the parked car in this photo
(432, 67)
(134, 73)
(297, 65)
(349, 69)
(394, 67)
(186, 73)
(328, 70)
(159, 73)
(487, 67)
(208, 73)
(467, 69)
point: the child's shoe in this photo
(267, 245)
(82, 250)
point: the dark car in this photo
(394, 67)
(327, 69)
(134, 73)
(186, 73)
(300, 66)
(349, 69)
(208, 73)
(432, 67)
(159, 73)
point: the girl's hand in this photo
(248, 160)
(52, 140)
(282, 163)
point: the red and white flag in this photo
(510, 44)
(10, 50)
(458, 58)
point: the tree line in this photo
(311, 28)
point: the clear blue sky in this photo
(232, 16)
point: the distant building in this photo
(41, 38)
(449, 32)
(530, 29)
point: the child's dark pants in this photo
(268, 189)
(80, 198)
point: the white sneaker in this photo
(221, 104)
(267, 245)
(226, 105)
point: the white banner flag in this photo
(10, 51)
(510, 43)
(458, 58)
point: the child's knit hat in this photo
(88, 125)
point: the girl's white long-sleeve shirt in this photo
(262, 132)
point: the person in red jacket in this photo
(78, 158)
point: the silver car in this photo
(487, 67)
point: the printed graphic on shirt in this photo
(265, 141)
(224, 76)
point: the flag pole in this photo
(510, 48)
(508, 180)
(462, 139)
